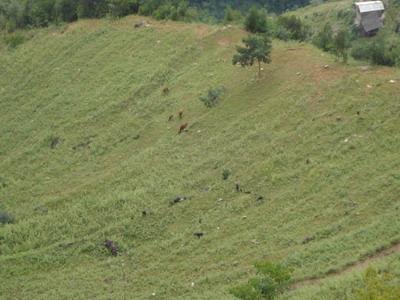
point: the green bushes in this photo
(6, 218)
(271, 280)
(381, 50)
(14, 40)
(291, 28)
(212, 97)
(256, 21)
(20, 14)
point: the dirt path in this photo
(358, 265)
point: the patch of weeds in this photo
(378, 285)
(13, 40)
(3, 183)
(212, 98)
(226, 174)
(6, 218)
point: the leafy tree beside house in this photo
(257, 49)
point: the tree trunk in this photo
(259, 69)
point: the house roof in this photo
(369, 6)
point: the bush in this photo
(341, 45)
(256, 21)
(324, 39)
(295, 28)
(6, 218)
(213, 96)
(226, 174)
(382, 50)
(14, 40)
(272, 279)
(378, 286)
(232, 15)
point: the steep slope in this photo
(86, 147)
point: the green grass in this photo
(96, 87)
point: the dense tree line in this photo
(25, 13)
(217, 7)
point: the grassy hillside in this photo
(86, 147)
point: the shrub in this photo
(378, 286)
(271, 280)
(256, 21)
(14, 40)
(213, 96)
(6, 218)
(324, 39)
(226, 174)
(294, 26)
(341, 45)
(382, 50)
(232, 15)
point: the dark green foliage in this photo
(324, 39)
(257, 49)
(271, 280)
(217, 7)
(3, 183)
(341, 45)
(120, 8)
(232, 15)
(293, 27)
(6, 218)
(256, 21)
(226, 174)
(24, 13)
(213, 96)
(13, 40)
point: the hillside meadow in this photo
(87, 154)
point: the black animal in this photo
(110, 245)
(171, 117)
(198, 234)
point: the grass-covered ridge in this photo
(86, 147)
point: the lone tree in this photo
(257, 49)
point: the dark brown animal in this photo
(180, 114)
(183, 127)
(171, 117)
(112, 247)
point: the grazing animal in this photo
(180, 114)
(198, 234)
(183, 127)
(178, 199)
(171, 117)
(112, 247)
(165, 91)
